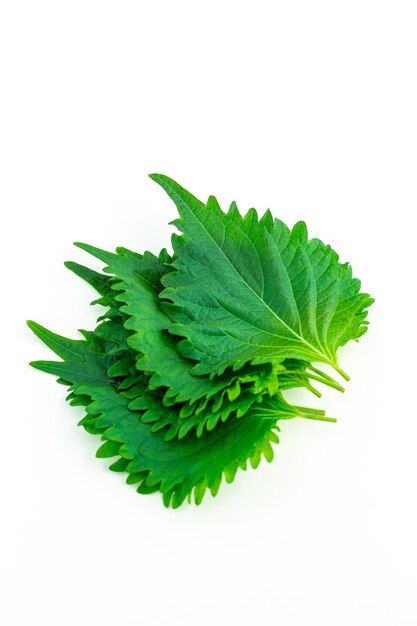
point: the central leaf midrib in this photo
(299, 337)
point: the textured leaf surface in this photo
(250, 291)
(177, 467)
(184, 375)
(232, 395)
(156, 348)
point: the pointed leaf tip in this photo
(163, 180)
(184, 200)
(80, 244)
(103, 255)
(75, 267)
(35, 327)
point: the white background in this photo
(309, 108)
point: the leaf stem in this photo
(305, 410)
(331, 382)
(313, 390)
(339, 370)
(320, 418)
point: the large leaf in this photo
(238, 392)
(209, 400)
(177, 468)
(155, 347)
(253, 291)
(138, 279)
(256, 303)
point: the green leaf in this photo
(100, 282)
(253, 291)
(82, 363)
(157, 354)
(175, 422)
(139, 283)
(184, 375)
(176, 467)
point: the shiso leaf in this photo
(245, 292)
(184, 376)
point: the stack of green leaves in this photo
(184, 377)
